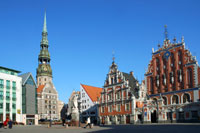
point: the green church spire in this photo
(44, 68)
(45, 23)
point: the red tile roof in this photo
(93, 92)
(40, 88)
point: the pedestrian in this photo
(63, 121)
(10, 123)
(5, 123)
(88, 123)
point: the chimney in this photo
(131, 73)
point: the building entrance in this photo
(154, 117)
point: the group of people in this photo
(7, 123)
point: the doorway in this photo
(154, 117)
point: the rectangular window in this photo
(110, 108)
(127, 107)
(109, 97)
(7, 84)
(14, 106)
(14, 96)
(118, 108)
(14, 85)
(102, 109)
(1, 105)
(118, 95)
(1, 83)
(7, 106)
(1, 95)
(195, 114)
(7, 95)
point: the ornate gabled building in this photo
(47, 95)
(118, 97)
(172, 81)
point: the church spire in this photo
(44, 68)
(45, 23)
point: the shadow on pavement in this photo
(148, 128)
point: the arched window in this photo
(164, 100)
(189, 77)
(186, 98)
(175, 99)
(155, 100)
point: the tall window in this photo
(14, 85)
(151, 82)
(1, 83)
(109, 96)
(1, 95)
(1, 105)
(175, 99)
(186, 98)
(189, 77)
(118, 108)
(7, 95)
(7, 84)
(14, 96)
(110, 108)
(7, 106)
(164, 100)
(118, 95)
(127, 108)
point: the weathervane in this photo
(113, 54)
(166, 33)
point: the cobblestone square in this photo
(154, 128)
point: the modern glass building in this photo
(29, 99)
(10, 95)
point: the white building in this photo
(89, 98)
(10, 95)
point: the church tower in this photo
(44, 71)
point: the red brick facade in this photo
(172, 69)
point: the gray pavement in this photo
(154, 128)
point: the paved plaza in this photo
(153, 128)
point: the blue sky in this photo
(83, 33)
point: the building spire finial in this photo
(45, 23)
(166, 33)
(113, 54)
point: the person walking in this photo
(10, 123)
(88, 123)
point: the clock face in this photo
(44, 68)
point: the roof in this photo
(25, 77)
(132, 83)
(40, 88)
(93, 92)
(10, 69)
